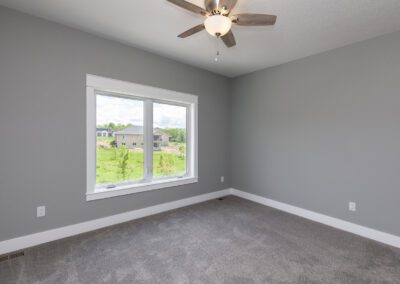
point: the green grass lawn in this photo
(108, 164)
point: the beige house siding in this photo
(129, 141)
(161, 138)
(132, 141)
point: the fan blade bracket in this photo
(223, 7)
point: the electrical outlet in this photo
(222, 179)
(41, 211)
(352, 206)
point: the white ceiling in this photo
(303, 28)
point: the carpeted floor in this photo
(220, 241)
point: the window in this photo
(163, 122)
(169, 120)
(115, 162)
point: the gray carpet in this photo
(228, 241)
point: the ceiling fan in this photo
(219, 20)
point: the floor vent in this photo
(11, 256)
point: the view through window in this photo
(121, 145)
(169, 140)
(119, 140)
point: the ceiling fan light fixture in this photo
(219, 20)
(218, 25)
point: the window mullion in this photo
(148, 140)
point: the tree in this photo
(177, 134)
(123, 163)
(181, 136)
(114, 126)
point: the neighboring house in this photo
(104, 132)
(132, 137)
(160, 138)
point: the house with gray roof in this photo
(132, 137)
(104, 132)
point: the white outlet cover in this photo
(40, 211)
(222, 179)
(352, 206)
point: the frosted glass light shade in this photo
(218, 25)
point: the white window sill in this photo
(140, 187)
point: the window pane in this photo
(169, 140)
(119, 135)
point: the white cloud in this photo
(169, 116)
(118, 110)
(124, 111)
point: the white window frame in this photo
(149, 95)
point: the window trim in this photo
(94, 84)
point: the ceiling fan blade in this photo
(254, 20)
(229, 39)
(218, 5)
(192, 31)
(189, 6)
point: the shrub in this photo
(182, 151)
(166, 164)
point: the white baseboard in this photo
(24, 242)
(366, 232)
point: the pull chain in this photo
(217, 55)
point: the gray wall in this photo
(42, 122)
(319, 132)
(315, 133)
